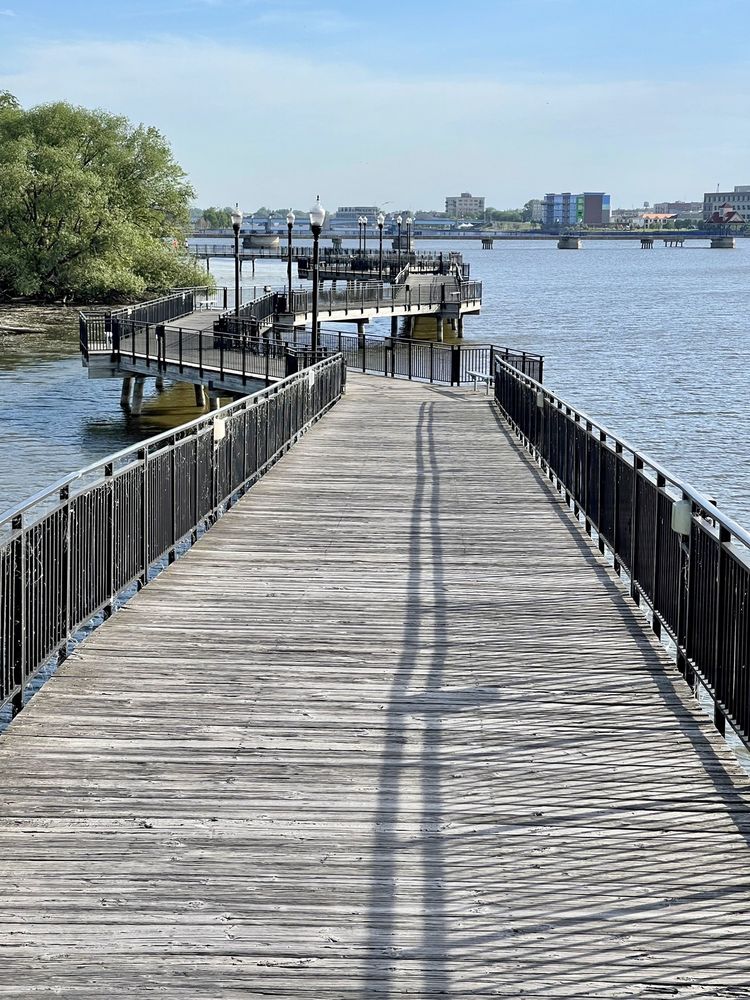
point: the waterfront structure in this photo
(680, 209)
(348, 216)
(738, 200)
(592, 208)
(464, 205)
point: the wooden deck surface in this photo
(391, 729)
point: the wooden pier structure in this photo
(392, 727)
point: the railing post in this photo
(19, 618)
(634, 528)
(455, 364)
(720, 687)
(410, 346)
(432, 360)
(221, 356)
(200, 354)
(179, 347)
(244, 360)
(683, 606)
(143, 458)
(148, 349)
(109, 472)
(616, 507)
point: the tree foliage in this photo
(91, 207)
(215, 218)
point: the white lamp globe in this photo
(317, 213)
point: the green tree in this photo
(91, 207)
(215, 218)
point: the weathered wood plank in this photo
(390, 729)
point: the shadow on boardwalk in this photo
(425, 633)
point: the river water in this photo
(652, 343)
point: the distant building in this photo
(346, 216)
(464, 205)
(682, 209)
(739, 200)
(536, 207)
(592, 208)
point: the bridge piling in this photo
(137, 403)
(126, 393)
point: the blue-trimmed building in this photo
(592, 208)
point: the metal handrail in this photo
(684, 557)
(72, 550)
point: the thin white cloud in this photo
(7, 13)
(269, 126)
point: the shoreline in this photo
(29, 320)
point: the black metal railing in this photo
(377, 296)
(223, 357)
(687, 560)
(98, 330)
(69, 552)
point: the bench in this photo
(481, 377)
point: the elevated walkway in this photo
(390, 729)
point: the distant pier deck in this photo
(392, 728)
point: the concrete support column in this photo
(200, 397)
(137, 404)
(439, 328)
(394, 325)
(460, 327)
(125, 394)
(159, 383)
(214, 403)
(361, 329)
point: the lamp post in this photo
(364, 235)
(359, 232)
(317, 218)
(289, 226)
(236, 217)
(409, 222)
(381, 221)
(399, 220)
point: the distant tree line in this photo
(92, 208)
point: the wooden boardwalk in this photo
(391, 729)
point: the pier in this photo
(373, 709)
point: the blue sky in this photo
(271, 101)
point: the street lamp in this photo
(317, 218)
(409, 222)
(381, 221)
(399, 220)
(289, 226)
(236, 217)
(364, 235)
(359, 232)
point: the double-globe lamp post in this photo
(289, 225)
(364, 235)
(360, 223)
(317, 218)
(380, 221)
(409, 222)
(236, 217)
(399, 220)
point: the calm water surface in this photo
(652, 343)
